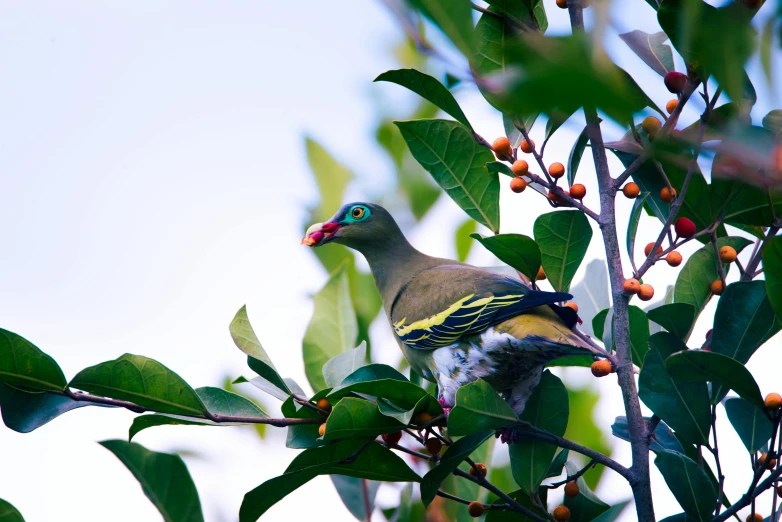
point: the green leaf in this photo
(427, 403)
(701, 366)
(515, 250)
(164, 478)
(585, 506)
(373, 372)
(353, 417)
(332, 329)
(331, 178)
(24, 364)
(463, 243)
(28, 410)
(217, 401)
(663, 439)
(342, 365)
(477, 408)
(750, 422)
(744, 320)
(677, 318)
(302, 435)
(512, 132)
(693, 26)
(555, 121)
(547, 68)
(245, 339)
(374, 462)
(684, 406)
(264, 385)
(651, 49)
(547, 409)
(454, 18)
(428, 88)
(9, 513)
(688, 483)
(639, 332)
(500, 168)
(585, 428)
(503, 515)
(576, 153)
(591, 293)
(563, 237)
(448, 151)
(614, 511)
(450, 460)
(558, 464)
(632, 225)
(142, 381)
(352, 490)
(772, 263)
(402, 393)
(700, 270)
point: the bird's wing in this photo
(442, 304)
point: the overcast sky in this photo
(153, 181)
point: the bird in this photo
(456, 323)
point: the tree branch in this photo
(86, 397)
(512, 504)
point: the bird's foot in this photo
(507, 435)
(446, 407)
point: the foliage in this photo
(363, 423)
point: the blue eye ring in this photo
(358, 213)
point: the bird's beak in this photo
(320, 233)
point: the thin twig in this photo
(512, 504)
(571, 478)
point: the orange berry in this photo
(674, 258)
(324, 404)
(561, 514)
(717, 287)
(520, 167)
(518, 185)
(434, 446)
(648, 250)
(728, 254)
(773, 401)
(571, 489)
(527, 146)
(645, 292)
(667, 194)
(479, 470)
(571, 304)
(475, 509)
(557, 170)
(501, 147)
(631, 190)
(757, 518)
(578, 191)
(392, 439)
(421, 418)
(779, 491)
(631, 286)
(766, 462)
(541, 275)
(671, 106)
(322, 429)
(601, 368)
(556, 198)
(562, 4)
(651, 125)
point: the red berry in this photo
(684, 227)
(392, 439)
(675, 81)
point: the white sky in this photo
(154, 181)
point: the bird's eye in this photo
(357, 212)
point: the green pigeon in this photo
(456, 323)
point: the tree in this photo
(717, 181)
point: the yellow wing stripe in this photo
(447, 326)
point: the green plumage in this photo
(454, 322)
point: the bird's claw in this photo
(507, 435)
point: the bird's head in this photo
(355, 225)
